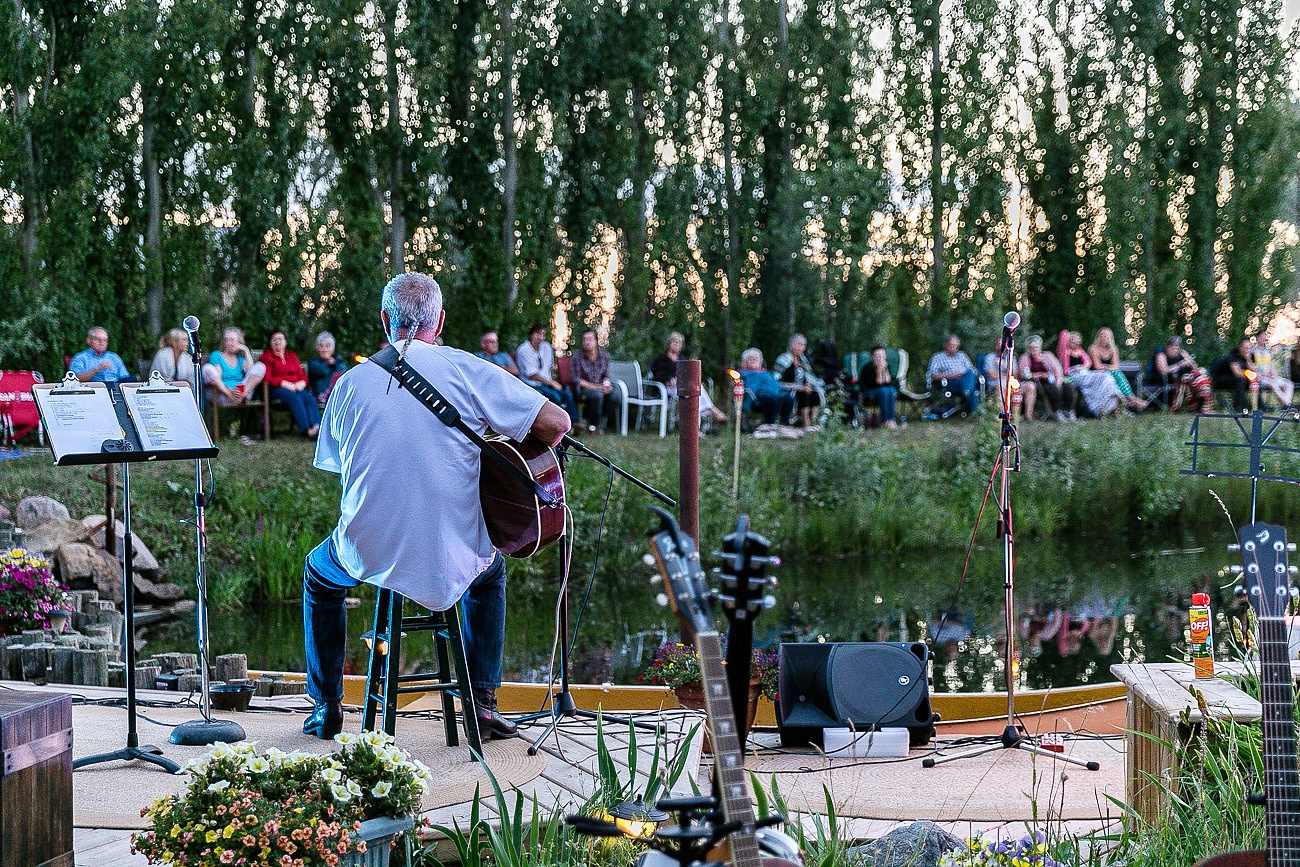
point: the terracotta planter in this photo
(691, 696)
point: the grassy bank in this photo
(837, 492)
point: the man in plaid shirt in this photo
(956, 368)
(589, 370)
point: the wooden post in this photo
(688, 426)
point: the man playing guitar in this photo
(410, 517)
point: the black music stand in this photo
(95, 423)
(1257, 433)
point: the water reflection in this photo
(1080, 608)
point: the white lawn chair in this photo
(634, 391)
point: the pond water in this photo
(1081, 606)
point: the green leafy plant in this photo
(676, 664)
(245, 807)
(28, 591)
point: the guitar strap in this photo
(426, 393)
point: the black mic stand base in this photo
(145, 753)
(1013, 739)
(563, 707)
(202, 732)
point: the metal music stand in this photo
(74, 415)
(1013, 737)
(1256, 433)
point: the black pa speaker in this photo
(862, 685)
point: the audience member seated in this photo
(95, 363)
(951, 368)
(997, 370)
(1104, 353)
(1262, 355)
(1044, 371)
(327, 366)
(231, 373)
(489, 349)
(1187, 384)
(1230, 373)
(536, 360)
(1293, 365)
(663, 368)
(173, 360)
(763, 393)
(877, 385)
(288, 382)
(795, 373)
(828, 365)
(1098, 388)
(589, 369)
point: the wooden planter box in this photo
(378, 834)
(36, 785)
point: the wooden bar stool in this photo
(385, 682)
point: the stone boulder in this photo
(920, 844)
(156, 592)
(49, 537)
(34, 511)
(141, 557)
(5, 514)
(85, 567)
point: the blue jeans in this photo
(561, 397)
(884, 397)
(776, 408)
(302, 406)
(966, 385)
(325, 586)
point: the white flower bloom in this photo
(354, 787)
(381, 789)
(258, 765)
(344, 738)
(375, 739)
(340, 793)
(331, 775)
(219, 786)
(245, 748)
(221, 751)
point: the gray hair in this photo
(412, 301)
(797, 338)
(1036, 340)
(325, 337)
(751, 355)
(91, 332)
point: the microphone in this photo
(191, 326)
(1010, 323)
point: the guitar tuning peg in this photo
(1239, 592)
(769, 602)
(648, 559)
(656, 578)
(1234, 547)
(1235, 569)
(1292, 570)
(1294, 592)
(662, 599)
(1290, 546)
(772, 582)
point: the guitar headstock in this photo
(1266, 573)
(679, 566)
(745, 559)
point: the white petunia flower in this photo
(258, 765)
(219, 786)
(354, 787)
(331, 775)
(344, 738)
(381, 789)
(340, 793)
(375, 739)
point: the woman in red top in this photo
(288, 382)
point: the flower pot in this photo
(691, 696)
(232, 696)
(378, 834)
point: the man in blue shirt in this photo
(490, 350)
(762, 392)
(97, 364)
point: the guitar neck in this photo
(729, 760)
(1281, 780)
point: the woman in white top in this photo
(173, 361)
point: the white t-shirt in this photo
(531, 361)
(410, 518)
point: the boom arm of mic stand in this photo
(577, 445)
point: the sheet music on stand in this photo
(94, 423)
(1255, 446)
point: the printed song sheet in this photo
(80, 420)
(166, 419)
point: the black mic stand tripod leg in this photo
(132, 750)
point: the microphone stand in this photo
(201, 732)
(562, 703)
(1013, 736)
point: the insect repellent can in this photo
(1201, 634)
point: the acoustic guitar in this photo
(518, 522)
(689, 594)
(1264, 566)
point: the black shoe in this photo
(491, 724)
(325, 721)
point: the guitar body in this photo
(518, 524)
(1249, 858)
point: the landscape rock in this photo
(161, 592)
(50, 536)
(34, 511)
(141, 557)
(920, 844)
(5, 514)
(85, 567)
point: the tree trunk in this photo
(32, 208)
(938, 298)
(153, 260)
(728, 183)
(396, 137)
(510, 171)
